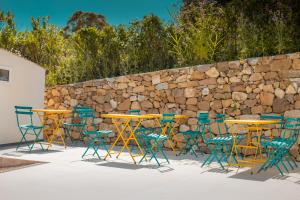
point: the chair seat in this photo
(100, 132)
(221, 139)
(73, 124)
(275, 143)
(30, 126)
(155, 137)
(193, 133)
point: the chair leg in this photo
(23, 138)
(36, 139)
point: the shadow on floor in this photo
(252, 175)
(22, 152)
(129, 166)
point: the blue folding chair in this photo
(153, 142)
(75, 124)
(24, 113)
(278, 149)
(96, 138)
(220, 145)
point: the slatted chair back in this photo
(220, 118)
(133, 112)
(24, 113)
(203, 124)
(87, 117)
(167, 122)
(291, 130)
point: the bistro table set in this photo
(235, 142)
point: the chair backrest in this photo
(292, 128)
(87, 115)
(220, 118)
(26, 112)
(167, 122)
(133, 112)
(280, 118)
(203, 124)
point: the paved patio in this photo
(67, 176)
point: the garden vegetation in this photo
(200, 32)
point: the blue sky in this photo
(115, 11)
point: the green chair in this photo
(24, 113)
(280, 119)
(75, 124)
(96, 138)
(278, 149)
(220, 145)
(153, 143)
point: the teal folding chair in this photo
(280, 123)
(153, 143)
(96, 138)
(219, 146)
(24, 113)
(75, 124)
(191, 143)
(278, 149)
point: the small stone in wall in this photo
(73, 102)
(125, 105)
(113, 103)
(64, 91)
(239, 96)
(50, 102)
(296, 64)
(146, 105)
(268, 88)
(234, 79)
(197, 75)
(184, 128)
(155, 79)
(226, 103)
(205, 91)
(212, 73)
(266, 98)
(257, 109)
(247, 71)
(252, 61)
(255, 77)
(55, 93)
(189, 92)
(162, 86)
(279, 93)
(290, 90)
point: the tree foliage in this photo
(203, 32)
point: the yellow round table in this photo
(57, 116)
(122, 123)
(255, 126)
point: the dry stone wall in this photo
(245, 87)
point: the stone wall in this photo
(246, 87)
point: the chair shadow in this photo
(21, 152)
(266, 175)
(92, 160)
(128, 166)
(218, 170)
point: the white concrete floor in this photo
(67, 176)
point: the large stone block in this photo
(266, 98)
(281, 64)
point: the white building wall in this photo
(25, 88)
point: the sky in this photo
(115, 11)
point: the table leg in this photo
(132, 137)
(120, 136)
